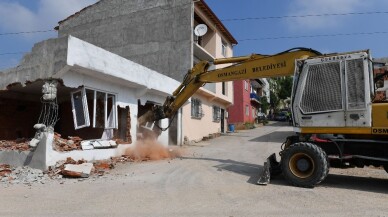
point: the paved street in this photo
(214, 178)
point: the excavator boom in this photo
(246, 67)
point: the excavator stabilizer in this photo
(271, 168)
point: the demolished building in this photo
(69, 98)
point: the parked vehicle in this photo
(282, 116)
(261, 116)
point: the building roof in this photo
(201, 4)
(77, 13)
(213, 17)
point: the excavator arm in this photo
(245, 67)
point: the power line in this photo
(270, 38)
(29, 32)
(312, 36)
(305, 16)
(235, 19)
(13, 53)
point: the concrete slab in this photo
(78, 170)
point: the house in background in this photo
(160, 35)
(247, 105)
(207, 113)
(379, 67)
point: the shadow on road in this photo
(277, 136)
(277, 123)
(235, 135)
(334, 181)
(253, 171)
(369, 184)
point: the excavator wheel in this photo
(304, 164)
(386, 168)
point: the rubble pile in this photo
(20, 144)
(23, 175)
(5, 170)
(71, 168)
(98, 168)
(70, 144)
(68, 169)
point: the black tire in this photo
(386, 167)
(304, 164)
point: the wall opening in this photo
(83, 113)
(150, 130)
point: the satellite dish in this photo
(200, 30)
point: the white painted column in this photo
(179, 128)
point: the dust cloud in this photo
(150, 149)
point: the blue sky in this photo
(32, 15)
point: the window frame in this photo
(84, 107)
(216, 113)
(224, 46)
(107, 95)
(196, 108)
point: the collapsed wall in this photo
(94, 109)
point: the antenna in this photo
(200, 30)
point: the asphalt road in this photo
(214, 178)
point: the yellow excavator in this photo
(336, 120)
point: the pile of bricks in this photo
(99, 168)
(70, 144)
(17, 144)
(5, 169)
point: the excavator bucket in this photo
(146, 119)
(271, 167)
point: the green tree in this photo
(285, 84)
(264, 104)
(273, 100)
(280, 89)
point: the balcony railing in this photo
(255, 97)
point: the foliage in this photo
(280, 89)
(264, 104)
(249, 125)
(274, 100)
(285, 84)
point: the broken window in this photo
(80, 109)
(104, 109)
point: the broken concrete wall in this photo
(45, 59)
(77, 64)
(153, 33)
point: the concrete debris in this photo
(77, 170)
(5, 170)
(23, 175)
(20, 144)
(92, 144)
(70, 144)
(64, 169)
(72, 168)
